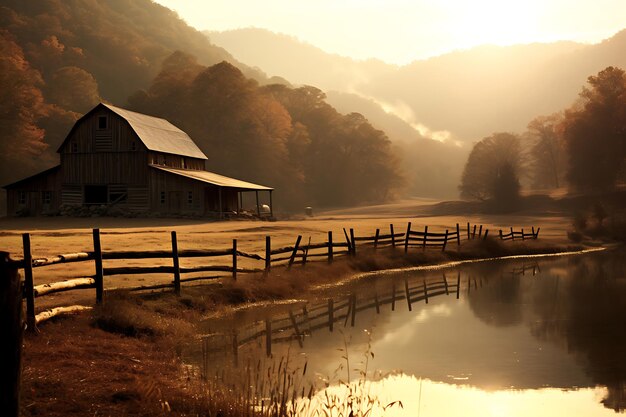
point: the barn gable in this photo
(156, 134)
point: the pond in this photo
(535, 336)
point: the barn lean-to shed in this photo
(119, 158)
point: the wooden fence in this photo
(284, 257)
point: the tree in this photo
(548, 154)
(595, 132)
(492, 170)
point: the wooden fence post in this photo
(425, 238)
(474, 232)
(235, 348)
(376, 238)
(458, 235)
(468, 231)
(29, 284)
(234, 259)
(406, 238)
(295, 252)
(393, 237)
(486, 232)
(480, 231)
(533, 231)
(176, 264)
(305, 252)
(458, 284)
(268, 337)
(537, 234)
(445, 241)
(331, 311)
(445, 283)
(347, 241)
(512, 234)
(353, 311)
(99, 276)
(353, 240)
(425, 291)
(11, 329)
(523, 238)
(330, 247)
(408, 294)
(501, 234)
(268, 254)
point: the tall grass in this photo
(280, 388)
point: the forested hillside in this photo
(469, 93)
(289, 138)
(60, 57)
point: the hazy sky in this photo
(399, 31)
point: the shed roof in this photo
(159, 134)
(213, 178)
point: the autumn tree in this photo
(548, 156)
(595, 132)
(492, 170)
(22, 104)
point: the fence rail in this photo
(283, 257)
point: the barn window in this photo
(46, 197)
(21, 197)
(190, 197)
(162, 197)
(73, 147)
(103, 122)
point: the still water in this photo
(540, 337)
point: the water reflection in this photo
(525, 335)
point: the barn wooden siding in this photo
(170, 194)
(33, 189)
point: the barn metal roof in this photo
(213, 178)
(159, 134)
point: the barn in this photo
(115, 157)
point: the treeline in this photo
(582, 147)
(61, 57)
(287, 137)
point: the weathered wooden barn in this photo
(118, 158)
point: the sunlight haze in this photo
(400, 31)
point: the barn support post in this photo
(235, 259)
(11, 329)
(176, 264)
(258, 207)
(99, 276)
(271, 205)
(240, 201)
(29, 284)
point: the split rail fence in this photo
(284, 257)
